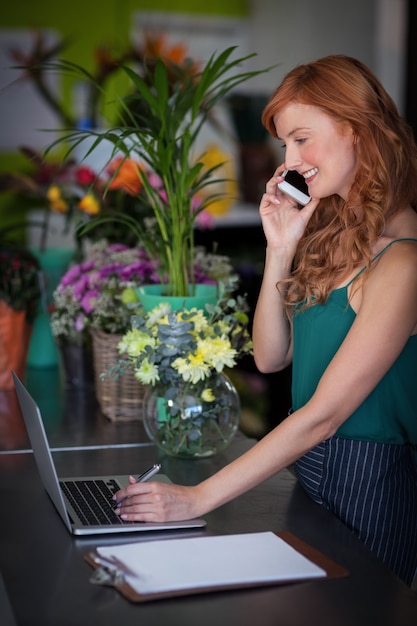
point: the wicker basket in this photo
(121, 399)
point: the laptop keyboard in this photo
(92, 500)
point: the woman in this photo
(339, 301)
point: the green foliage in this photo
(160, 123)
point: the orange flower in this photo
(157, 47)
(89, 204)
(56, 201)
(125, 175)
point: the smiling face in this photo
(318, 148)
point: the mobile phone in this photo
(295, 186)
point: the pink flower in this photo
(205, 220)
(155, 180)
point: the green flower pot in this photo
(151, 296)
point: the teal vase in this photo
(43, 351)
(151, 296)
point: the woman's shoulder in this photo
(399, 238)
(397, 255)
(393, 281)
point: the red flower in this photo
(85, 175)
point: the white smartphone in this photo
(295, 186)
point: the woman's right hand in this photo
(284, 224)
(283, 220)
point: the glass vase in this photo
(192, 420)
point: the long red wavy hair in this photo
(340, 234)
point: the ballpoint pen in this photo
(142, 478)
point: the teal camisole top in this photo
(389, 413)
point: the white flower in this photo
(147, 373)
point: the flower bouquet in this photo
(95, 293)
(94, 303)
(192, 409)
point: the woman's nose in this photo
(292, 158)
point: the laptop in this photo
(84, 503)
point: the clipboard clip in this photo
(108, 572)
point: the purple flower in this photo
(87, 266)
(89, 300)
(80, 287)
(112, 268)
(137, 270)
(200, 277)
(74, 273)
(71, 276)
(80, 322)
(117, 247)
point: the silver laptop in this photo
(84, 503)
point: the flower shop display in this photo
(90, 312)
(19, 297)
(154, 148)
(160, 122)
(191, 408)
(76, 193)
(93, 306)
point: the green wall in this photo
(88, 23)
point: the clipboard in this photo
(113, 573)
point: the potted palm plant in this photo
(160, 122)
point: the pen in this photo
(149, 473)
(142, 478)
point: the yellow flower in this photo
(56, 200)
(223, 327)
(147, 373)
(129, 295)
(217, 352)
(192, 369)
(89, 204)
(159, 314)
(225, 184)
(208, 395)
(199, 319)
(134, 342)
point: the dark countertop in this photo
(46, 580)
